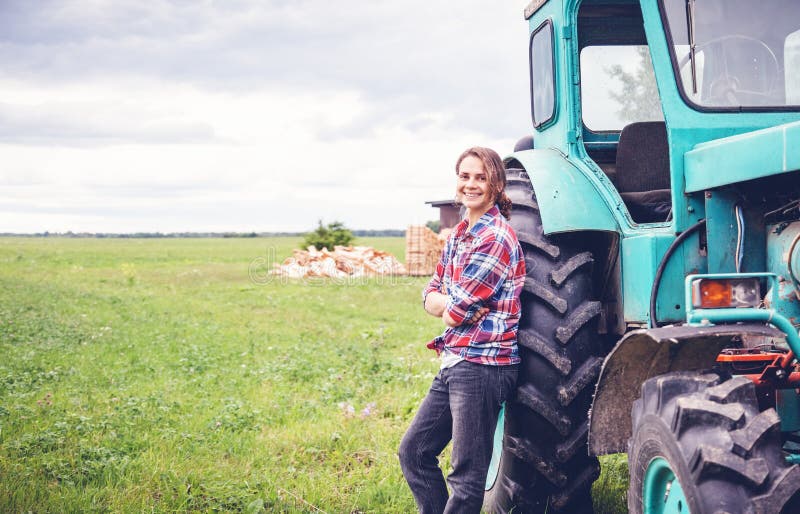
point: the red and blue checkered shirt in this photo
(482, 266)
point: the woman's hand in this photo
(478, 316)
(436, 303)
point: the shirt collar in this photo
(485, 219)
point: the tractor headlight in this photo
(720, 293)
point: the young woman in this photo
(475, 290)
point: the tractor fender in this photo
(569, 199)
(647, 353)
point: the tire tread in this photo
(583, 377)
(544, 293)
(528, 395)
(550, 250)
(559, 275)
(580, 317)
(536, 343)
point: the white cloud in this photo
(181, 116)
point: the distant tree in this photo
(638, 98)
(334, 234)
(434, 225)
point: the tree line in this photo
(145, 235)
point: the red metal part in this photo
(748, 357)
(779, 370)
(792, 380)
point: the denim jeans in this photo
(462, 404)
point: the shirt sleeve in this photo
(483, 274)
(435, 283)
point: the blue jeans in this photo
(462, 404)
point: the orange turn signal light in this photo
(720, 293)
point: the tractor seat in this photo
(642, 171)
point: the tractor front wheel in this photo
(701, 446)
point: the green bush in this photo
(434, 225)
(334, 234)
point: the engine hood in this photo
(742, 157)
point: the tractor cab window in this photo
(732, 54)
(623, 124)
(618, 87)
(792, 57)
(626, 135)
(543, 100)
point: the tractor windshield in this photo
(731, 54)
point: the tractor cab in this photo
(722, 57)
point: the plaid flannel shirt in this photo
(481, 267)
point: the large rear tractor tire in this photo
(544, 465)
(701, 446)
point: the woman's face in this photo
(472, 186)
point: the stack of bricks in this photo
(423, 249)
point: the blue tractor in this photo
(658, 206)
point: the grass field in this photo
(156, 375)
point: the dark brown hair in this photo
(496, 174)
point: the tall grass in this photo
(157, 375)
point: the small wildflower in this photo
(347, 409)
(46, 401)
(368, 409)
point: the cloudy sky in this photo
(189, 115)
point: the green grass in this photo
(156, 375)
